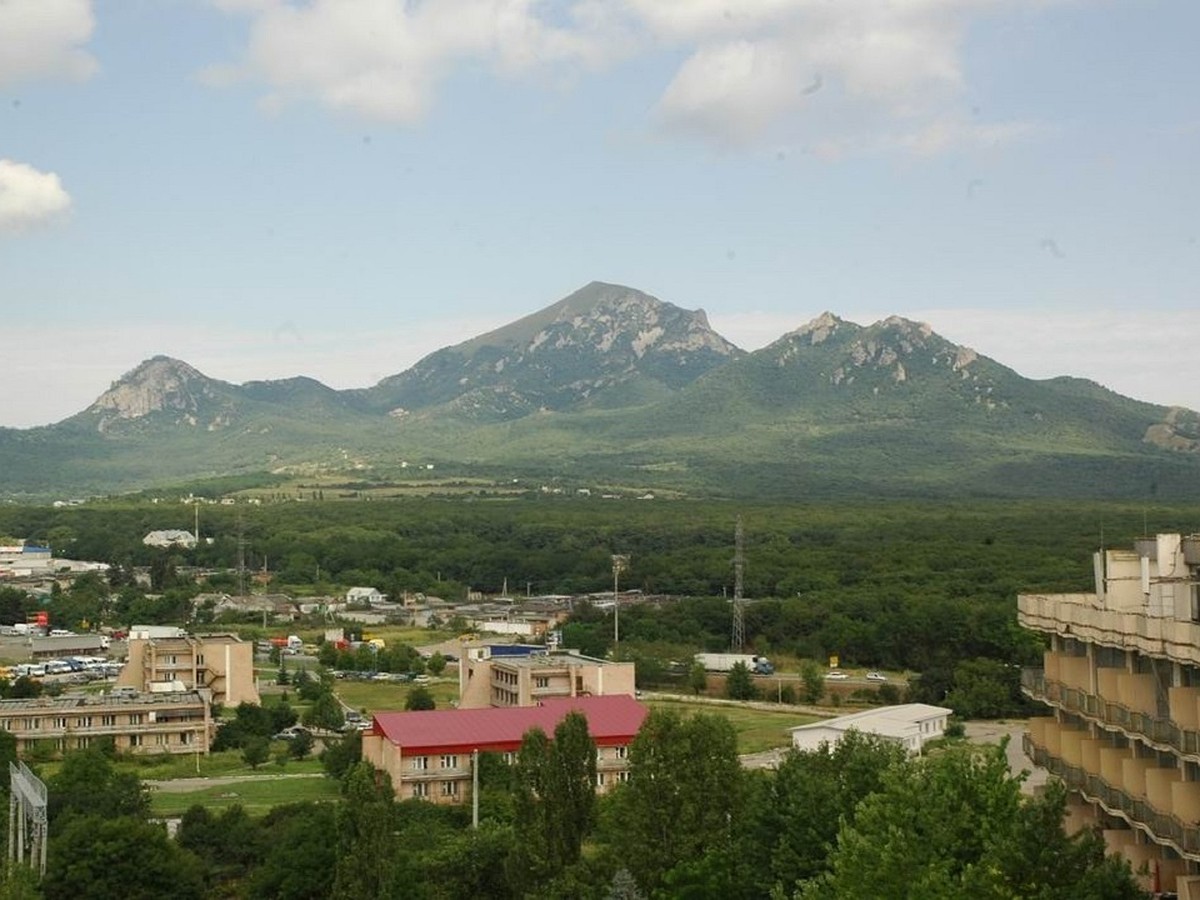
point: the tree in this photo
(88, 785)
(812, 680)
(121, 856)
(956, 825)
(420, 698)
(299, 860)
(697, 677)
(739, 683)
(365, 837)
(326, 712)
(556, 795)
(339, 757)
(256, 751)
(683, 798)
(436, 664)
(301, 745)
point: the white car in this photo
(876, 676)
(836, 676)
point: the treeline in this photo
(859, 820)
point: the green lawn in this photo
(387, 696)
(256, 797)
(757, 729)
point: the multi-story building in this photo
(1121, 678)
(431, 754)
(486, 678)
(137, 723)
(220, 663)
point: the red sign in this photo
(43, 618)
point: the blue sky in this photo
(266, 188)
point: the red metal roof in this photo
(612, 720)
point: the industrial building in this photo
(1121, 681)
(912, 725)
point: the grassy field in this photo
(255, 796)
(387, 696)
(757, 729)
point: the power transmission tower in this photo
(241, 559)
(739, 612)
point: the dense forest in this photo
(927, 588)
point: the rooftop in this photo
(611, 720)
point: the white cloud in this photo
(844, 76)
(40, 38)
(28, 197)
(383, 59)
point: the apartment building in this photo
(137, 723)
(487, 678)
(220, 663)
(1121, 680)
(430, 755)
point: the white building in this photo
(911, 725)
(368, 595)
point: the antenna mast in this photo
(739, 613)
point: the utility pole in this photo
(620, 562)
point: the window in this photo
(622, 752)
(599, 779)
(420, 789)
(135, 740)
(108, 720)
(420, 763)
(60, 721)
(449, 762)
(510, 757)
(541, 682)
(622, 777)
(449, 788)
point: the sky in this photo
(336, 188)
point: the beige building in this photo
(431, 755)
(137, 723)
(1122, 683)
(220, 663)
(486, 679)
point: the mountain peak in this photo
(159, 384)
(602, 341)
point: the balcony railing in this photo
(1162, 827)
(1105, 712)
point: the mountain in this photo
(612, 387)
(604, 345)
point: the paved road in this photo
(993, 732)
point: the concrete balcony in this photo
(1163, 734)
(1174, 826)
(1081, 616)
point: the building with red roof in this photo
(429, 754)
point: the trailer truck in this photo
(724, 662)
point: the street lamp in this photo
(620, 562)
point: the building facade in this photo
(137, 723)
(220, 663)
(488, 679)
(1121, 681)
(431, 755)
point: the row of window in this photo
(61, 723)
(447, 789)
(186, 738)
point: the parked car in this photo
(290, 733)
(876, 676)
(836, 676)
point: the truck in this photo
(724, 662)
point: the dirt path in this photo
(187, 785)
